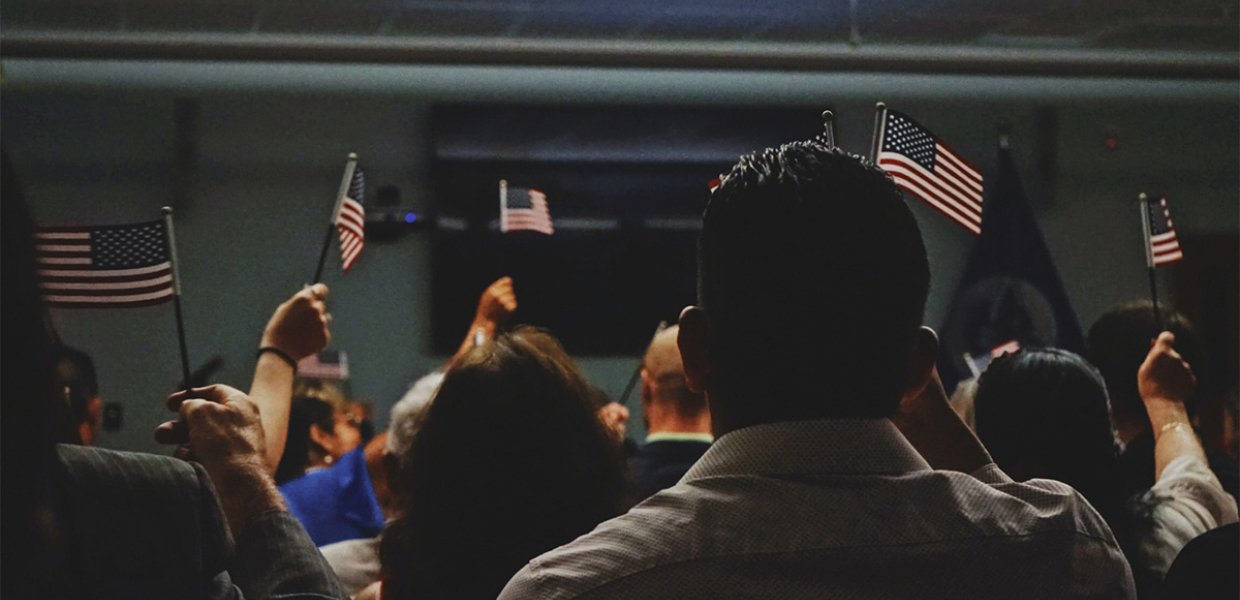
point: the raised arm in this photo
(1165, 382)
(495, 307)
(297, 329)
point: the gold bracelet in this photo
(1177, 425)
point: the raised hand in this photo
(498, 302)
(225, 430)
(299, 326)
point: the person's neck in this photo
(673, 423)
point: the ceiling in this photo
(157, 28)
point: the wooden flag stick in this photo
(828, 128)
(1149, 258)
(171, 241)
(880, 121)
(349, 167)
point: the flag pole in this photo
(349, 167)
(503, 204)
(828, 128)
(880, 121)
(171, 241)
(628, 388)
(1149, 258)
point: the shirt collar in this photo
(834, 446)
(679, 436)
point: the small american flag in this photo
(923, 165)
(1164, 246)
(523, 209)
(327, 364)
(115, 266)
(351, 220)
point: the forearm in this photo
(480, 330)
(272, 391)
(1173, 434)
(245, 492)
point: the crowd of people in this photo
(800, 444)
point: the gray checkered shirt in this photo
(838, 509)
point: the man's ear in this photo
(924, 358)
(693, 339)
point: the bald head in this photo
(666, 399)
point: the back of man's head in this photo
(663, 380)
(813, 277)
(1118, 343)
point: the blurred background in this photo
(240, 113)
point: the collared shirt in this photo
(337, 503)
(838, 509)
(1186, 502)
(679, 436)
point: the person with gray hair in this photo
(356, 562)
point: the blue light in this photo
(410, 217)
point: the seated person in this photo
(510, 462)
(1117, 344)
(90, 523)
(321, 430)
(677, 420)
(356, 561)
(1043, 413)
(807, 343)
(75, 374)
(1186, 499)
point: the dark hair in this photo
(510, 463)
(1043, 413)
(306, 409)
(1119, 341)
(75, 371)
(28, 454)
(813, 275)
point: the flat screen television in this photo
(625, 188)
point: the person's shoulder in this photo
(104, 469)
(650, 535)
(1032, 506)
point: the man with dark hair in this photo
(1117, 344)
(807, 343)
(75, 376)
(677, 419)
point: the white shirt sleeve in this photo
(1187, 501)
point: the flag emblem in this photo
(114, 266)
(924, 166)
(351, 220)
(523, 209)
(1164, 246)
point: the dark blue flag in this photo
(1010, 291)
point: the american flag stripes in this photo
(923, 165)
(351, 219)
(1163, 245)
(523, 209)
(115, 266)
